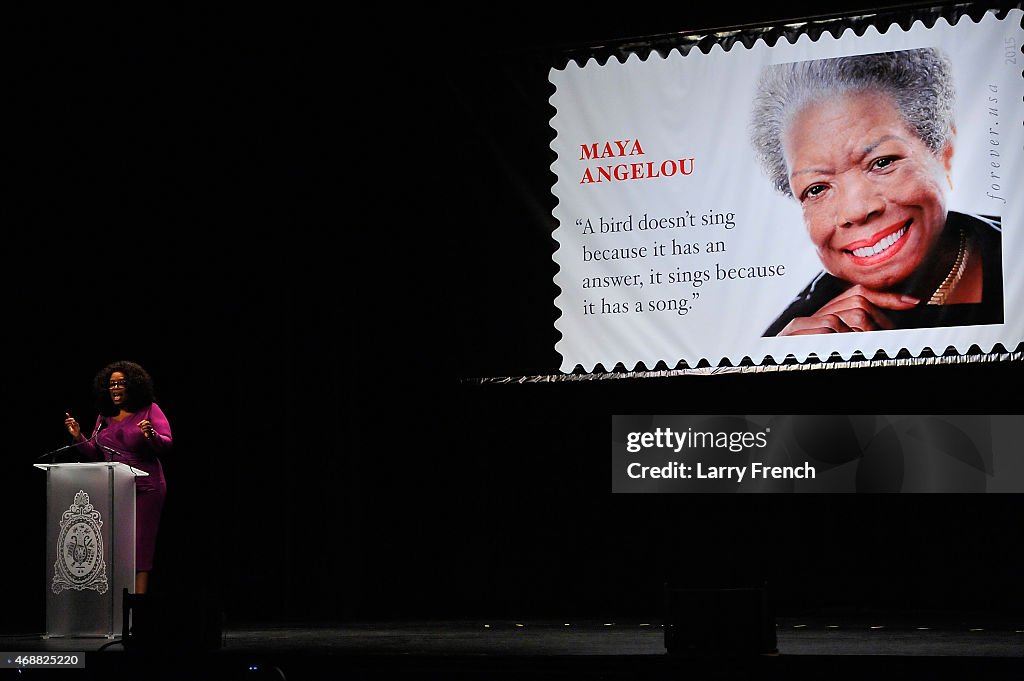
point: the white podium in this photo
(90, 546)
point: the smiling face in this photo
(116, 387)
(871, 191)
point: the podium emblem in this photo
(80, 563)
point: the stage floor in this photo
(818, 648)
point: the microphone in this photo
(99, 426)
(109, 450)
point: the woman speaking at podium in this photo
(131, 428)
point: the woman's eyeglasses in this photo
(116, 384)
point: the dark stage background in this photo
(317, 233)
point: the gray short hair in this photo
(919, 82)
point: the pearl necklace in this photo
(955, 274)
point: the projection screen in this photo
(675, 245)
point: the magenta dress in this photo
(123, 441)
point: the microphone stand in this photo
(61, 449)
(114, 454)
(99, 427)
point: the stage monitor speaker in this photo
(156, 622)
(717, 622)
